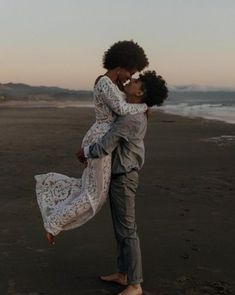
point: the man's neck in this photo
(133, 99)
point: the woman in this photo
(66, 202)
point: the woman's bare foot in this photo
(119, 278)
(50, 238)
(132, 290)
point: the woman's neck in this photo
(112, 74)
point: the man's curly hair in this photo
(125, 54)
(154, 87)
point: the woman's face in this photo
(125, 75)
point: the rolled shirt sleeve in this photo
(86, 151)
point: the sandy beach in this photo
(185, 207)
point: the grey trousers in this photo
(122, 202)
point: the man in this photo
(125, 141)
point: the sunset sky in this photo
(61, 42)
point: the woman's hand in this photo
(81, 157)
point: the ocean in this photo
(214, 105)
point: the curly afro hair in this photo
(125, 54)
(154, 87)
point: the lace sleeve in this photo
(113, 98)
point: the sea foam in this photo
(207, 111)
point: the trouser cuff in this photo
(135, 282)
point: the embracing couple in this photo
(113, 153)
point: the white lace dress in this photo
(67, 202)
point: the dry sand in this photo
(185, 208)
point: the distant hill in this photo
(19, 91)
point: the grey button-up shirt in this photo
(125, 141)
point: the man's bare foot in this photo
(119, 278)
(132, 290)
(50, 238)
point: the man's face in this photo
(134, 88)
(125, 75)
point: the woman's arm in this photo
(115, 101)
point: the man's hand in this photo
(81, 157)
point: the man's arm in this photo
(119, 131)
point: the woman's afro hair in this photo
(125, 54)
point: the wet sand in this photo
(185, 208)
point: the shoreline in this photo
(89, 105)
(206, 117)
